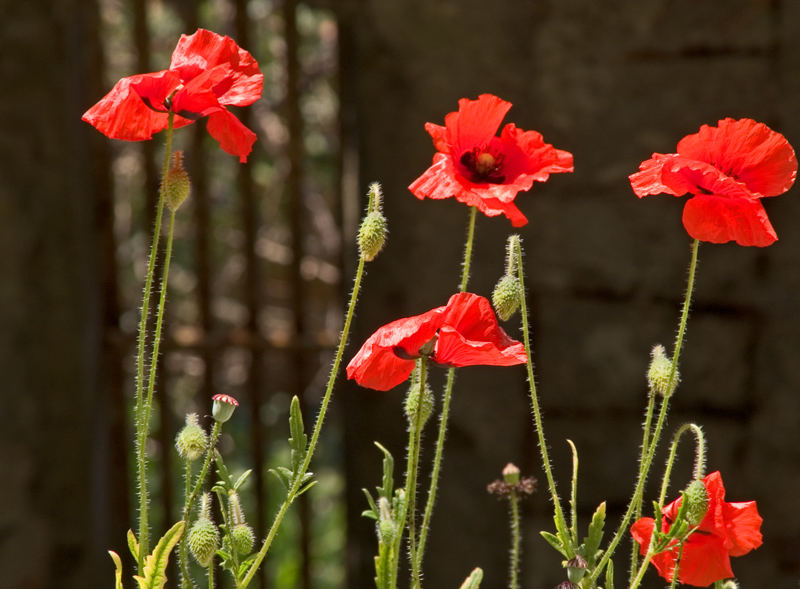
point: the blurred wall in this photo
(611, 82)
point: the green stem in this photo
(201, 476)
(448, 393)
(662, 415)
(561, 523)
(211, 575)
(700, 457)
(646, 428)
(183, 547)
(516, 541)
(292, 494)
(142, 410)
(414, 448)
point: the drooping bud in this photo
(414, 404)
(506, 297)
(658, 375)
(223, 407)
(576, 568)
(373, 230)
(191, 442)
(203, 536)
(177, 185)
(696, 497)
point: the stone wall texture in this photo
(611, 82)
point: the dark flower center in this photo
(483, 165)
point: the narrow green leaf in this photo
(565, 537)
(306, 488)
(118, 566)
(474, 580)
(573, 497)
(592, 541)
(553, 540)
(155, 565)
(373, 506)
(298, 439)
(610, 575)
(387, 483)
(222, 471)
(241, 480)
(133, 545)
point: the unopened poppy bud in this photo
(203, 535)
(507, 296)
(512, 254)
(511, 474)
(576, 568)
(414, 404)
(223, 407)
(372, 235)
(191, 442)
(235, 505)
(177, 185)
(658, 375)
(696, 497)
(730, 584)
(386, 526)
(242, 538)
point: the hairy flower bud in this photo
(413, 404)
(177, 185)
(576, 568)
(191, 442)
(203, 535)
(511, 474)
(658, 375)
(507, 296)
(372, 235)
(696, 497)
(242, 538)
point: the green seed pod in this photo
(242, 538)
(191, 442)
(659, 371)
(696, 497)
(203, 541)
(507, 296)
(223, 407)
(177, 185)
(511, 474)
(576, 569)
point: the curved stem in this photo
(448, 393)
(292, 494)
(537, 414)
(142, 410)
(662, 415)
(700, 457)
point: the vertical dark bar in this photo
(294, 187)
(141, 37)
(110, 440)
(250, 220)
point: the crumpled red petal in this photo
(747, 150)
(475, 122)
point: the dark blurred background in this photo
(265, 256)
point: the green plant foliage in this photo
(155, 565)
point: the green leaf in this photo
(155, 565)
(387, 482)
(118, 566)
(573, 497)
(610, 575)
(565, 537)
(372, 512)
(474, 580)
(284, 475)
(222, 471)
(306, 488)
(299, 439)
(133, 545)
(553, 540)
(592, 541)
(240, 481)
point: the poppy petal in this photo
(719, 219)
(527, 152)
(377, 365)
(475, 122)
(743, 527)
(122, 114)
(703, 562)
(233, 137)
(439, 136)
(647, 181)
(747, 150)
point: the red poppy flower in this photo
(208, 72)
(728, 529)
(483, 170)
(464, 332)
(727, 169)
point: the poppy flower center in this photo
(483, 165)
